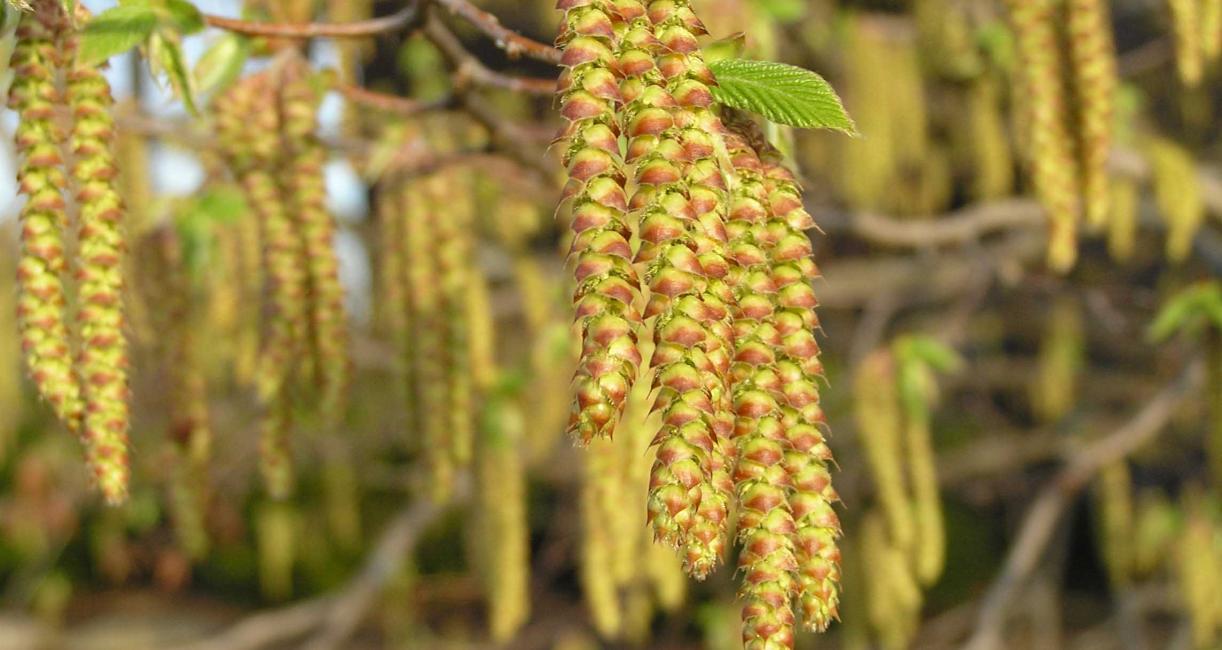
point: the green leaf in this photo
(183, 16)
(782, 93)
(730, 47)
(1188, 310)
(786, 11)
(167, 61)
(115, 31)
(222, 63)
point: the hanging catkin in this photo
(502, 487)
(1054, 387)
(10, 347)
(1093, 70)
(1186, 25)
(1178, 194)
(1049, 146)
(40, 176)
(992, 160)
(302, 184)
(102, 356)
(916, 391)
(1114, 500)
(876, 410)
(1122, 219)
(607, 285)
(1211, 29)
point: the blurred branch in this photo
(334, 616)
(394, 22)
(512, 42)
(960, 227)
(471, 69)
(1042, 518)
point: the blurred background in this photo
(1075, 418)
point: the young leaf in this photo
(222, 63)
(782, 93)
(115, 31)
(1188, 310)
(166, 58)
(183, 16)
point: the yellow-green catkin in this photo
(390, 317)
(879, 425)
(427, 327)
(992, 159)
(1122, 219)
(597, 553)
(303, 186)
(1092, 55)
(893, 595)
(917, 392)
(277, 530)
(501, 474)
(249, 136)
(1114, 499)
(1157, 527)
(453, 209)
(1050, 149)
(34, 95)
(1199, 572)
(1178, 194)
(102, 359)
(1054, 387)
(1211, 29)
(10, 347)
(1186, 26)
(342, 495)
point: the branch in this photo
(1041, 520)
(399, 20)
(472, 69)
(960, 227)
(338, 614)
(512, 42)
(388, 103)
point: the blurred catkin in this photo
(992, 160)
(1054, 387)
(10, 346)
(102, 359)
(501, 476)
(1093, 61)
(303, 185)
(1211, 29)
(1122, 219)
(1178, 194)
(40, 176)
(1050, 149)
(607, 286)
(1186, 25)
(1114, 500)
(917, 391)
(879, 424)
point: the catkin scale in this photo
(1050, 150)
(41, 268)
(102, 357)
(1093, 69)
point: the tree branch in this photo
(512, 42)
(1041, 520)
(470, 68)
(334, 615)
(399, 20)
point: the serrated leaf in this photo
(222, 63)
(782, 93)
(115, 31)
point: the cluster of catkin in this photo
(1068, 81)
(686, 230)
(70, 274)
(278, 160)
(903, 540)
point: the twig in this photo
(388, 103)
(512, 42)
(1041, 520)
(399, 20)
(336, 614)
(960, 227)
(472, 69)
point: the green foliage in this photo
(782, 93)
(115, 31)
(221, 64)
(1189, 311)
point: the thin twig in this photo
(389, 103)
(399, 20)
(336, 615)
(471, 69)
(1041, 519)
(512, 42)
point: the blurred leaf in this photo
(166, 61)
(182, 16)
(785, 11)
(1188, 311)
(730, 47)
(115, 31)
(782, 93)
(930, 351)
(221, 63)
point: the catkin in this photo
(1186, 25)
(916, 386)
(877, 413)
(992, 161)
(502, 487)
(607, 286)
(302, 184)
(10, 348)
(1198, 571)
(1093, 69)
(1050, 148)
(1062, 350)
(1114, 499)
(1178, 194)
(1211, 29)
(40, 176)
(1122, 219)
(102, 360)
